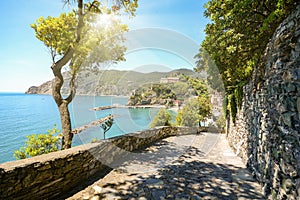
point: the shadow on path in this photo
(185, 180)
(164, 171)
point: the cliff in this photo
(45, 88)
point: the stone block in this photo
(298, 105)
(287, 118)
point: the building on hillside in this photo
(169, 80)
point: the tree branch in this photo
(72, 88)
(80, 21)
(58, 82)
(58, 65)
(260, 13)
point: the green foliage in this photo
(199, 86)
(153, 94)
(99, 42)
(221, 122)
(236, 38)
(179, 118)
(163, 91)
(225, 106)
(238, 93)
(204, 62)
(198, 108)
(181, 89)
(38, 144)
(57, 33)
(232, 106)
(163, 118)
(86, 39)
(194, 111)
(94, 140)
(107, 125)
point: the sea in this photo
(26, 114)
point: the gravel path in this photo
(182, 167)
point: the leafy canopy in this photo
(194, 112)
(237, 36)
(235, 40)
(100, 41)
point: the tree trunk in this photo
(66, 125)
(62, 105)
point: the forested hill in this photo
(110, 82)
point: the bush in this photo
(221, 122)
(194, 112)
(163, 118)
(38, 144)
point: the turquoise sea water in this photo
(22, 114)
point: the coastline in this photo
(99, 108)
(87, 95)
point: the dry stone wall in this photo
(267, 131)
(52, 175)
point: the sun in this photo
(105, 20)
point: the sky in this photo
(164, 35)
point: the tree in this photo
(236, 38)
(107, 125)
(194, 112)
(221, 122)
(162, 118)
(78, 42)
(38, 144)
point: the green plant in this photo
(107, 125)
(238, 92)
(195, 111)
(235, 39)
(221, 122)
(94, 140)
(163, 118)
(179, 118)
(38, 144)
(233, 107)
(225, 105)
(77, 43)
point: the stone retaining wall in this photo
(51, 175)
(267, 131)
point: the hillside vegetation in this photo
(110, 82)
(235, 40)
(181, 89)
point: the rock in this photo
(158, 194)
(287, 118)
(298, 105)
(97, 189)
(182, 196)
(32, 90)
(45, 88)
(287, 184)
(95, 198)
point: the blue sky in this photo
(169, 34)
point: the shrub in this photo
(163, 118)
(38, 144)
